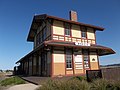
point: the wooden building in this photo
(62, 47)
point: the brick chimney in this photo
(73, 15)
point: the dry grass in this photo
(72, 84)
(78, 84)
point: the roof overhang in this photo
(31, 53)
(38, 19)
(101, 50)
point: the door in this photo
(43, 64)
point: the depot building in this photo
(61, 47)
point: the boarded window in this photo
(93, 74)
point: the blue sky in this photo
(16, 17)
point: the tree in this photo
(1, 70)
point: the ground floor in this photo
(55, 59)
(60, 62)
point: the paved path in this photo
(24, 87)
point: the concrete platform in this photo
(35, 79)
(40, 80)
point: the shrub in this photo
(50, 85)
(102, 84)
(77, 84)
(116, 85)
(12, 81)
(80, 78)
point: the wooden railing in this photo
(73, 39)
(68, 39)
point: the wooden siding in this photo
(58, 33)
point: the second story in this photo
(45, 27)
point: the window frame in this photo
(44, 33)
(83, 32)
(69, 59)
(86, 59)
(67, 29)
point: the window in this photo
(68, 59)
(86, 58)
(67, 29)
(84, 32)
(44, 33)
